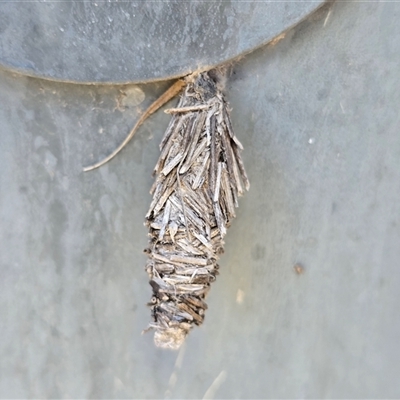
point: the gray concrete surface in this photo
(318, 116)
(136, 41)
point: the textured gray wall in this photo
(318, 114)
(136, 40)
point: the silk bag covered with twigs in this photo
(199, 177)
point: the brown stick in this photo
(164, 98)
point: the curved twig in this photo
(164, 98)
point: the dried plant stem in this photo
(164, 98)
